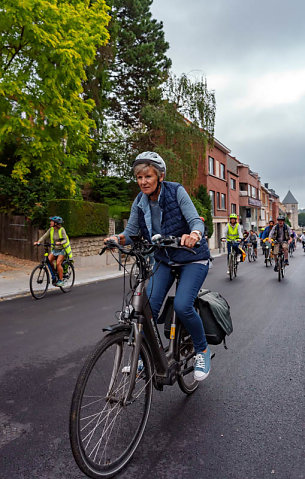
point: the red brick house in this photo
(213, 174)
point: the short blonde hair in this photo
(144, 166)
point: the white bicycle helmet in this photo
(150, 158)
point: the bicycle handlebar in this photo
(141, 246)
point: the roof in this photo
(232, 165)
(289, 199)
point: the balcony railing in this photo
(243, 193)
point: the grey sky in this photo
(252, 53)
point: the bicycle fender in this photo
(114, 328)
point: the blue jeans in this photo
(192, 275)
(235, 246)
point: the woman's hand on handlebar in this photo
(120, 239)
(189, 240)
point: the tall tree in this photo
(45, 46)
(139, 62)
(179, 126)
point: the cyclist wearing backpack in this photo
(233, 235)
(60, 245)
(164, 207)
(281, 233)
(252, 238)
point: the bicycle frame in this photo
(139, 315)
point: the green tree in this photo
(301, 219)
(138, 62)
(45, 46)
(179, 126)
(202, 195)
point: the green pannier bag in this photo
(214, 312)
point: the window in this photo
(222, 171)
(233, 184)
(233, 208)
(249, 190)
(212, 198)
(253, 192)
(218, 201)
(211, 166)
(223, 201)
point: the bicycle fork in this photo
(134, 341)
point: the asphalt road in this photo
(246, 420)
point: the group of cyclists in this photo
(279, 235)
(165, 208)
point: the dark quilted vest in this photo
(286, 233)
(173, 223)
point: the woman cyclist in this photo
(163, 207)
(60, 245)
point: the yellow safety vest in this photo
(233, 232)
(66, 245)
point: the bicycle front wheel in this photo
(105, 430)
(68, 277)
(39, 281)
(266, 257)
(279, 269)
(185, 354)
(231, 267)
(235, 265)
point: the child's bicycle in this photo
(113, 393)
(44, 273)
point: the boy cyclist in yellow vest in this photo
(60, 245)
(233, 235)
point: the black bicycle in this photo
(44, 273)
(280, 263)
(268, 253)
(113, 393)
(232, 261)
(251, 252)
(291, 249)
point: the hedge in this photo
(119, 212)
(81, 218)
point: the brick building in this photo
(213, 174)
(249, 197)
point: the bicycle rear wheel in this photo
(39, 281)
(185, 353)
(68, 277)
(249, 254)
(104, 431)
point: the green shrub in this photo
(202, 195)
(110, 190)
(119, 212)
(81, 218)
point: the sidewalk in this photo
(15, 274)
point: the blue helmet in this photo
(57, 219)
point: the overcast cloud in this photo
(252, 53)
